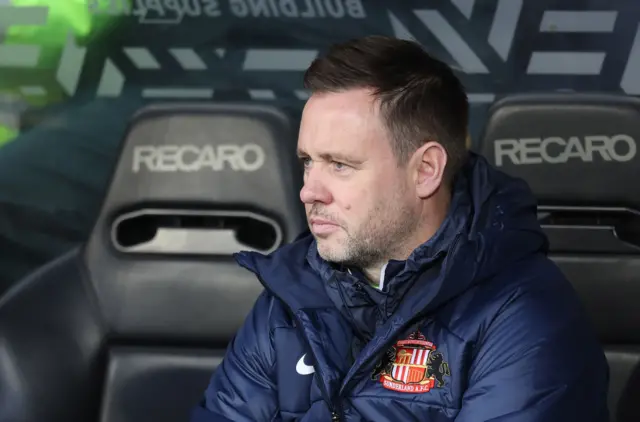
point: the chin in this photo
(330, 251)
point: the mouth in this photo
(321, 227)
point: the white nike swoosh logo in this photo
(303, 369)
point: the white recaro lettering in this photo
(193, 158)
(557, 150)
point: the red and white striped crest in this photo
(410, 365)
(409, 370)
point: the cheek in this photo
(357, 201)
(359, 198)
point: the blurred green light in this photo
(7, 135)
(64, 15)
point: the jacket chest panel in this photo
(426, 367)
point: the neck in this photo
(373, 273)
(432, 215)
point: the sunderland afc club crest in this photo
(412, 366)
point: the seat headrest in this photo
(569, 147)
(202, 164)
(194, 184)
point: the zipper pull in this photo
(335, 417)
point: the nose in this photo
(314, 190)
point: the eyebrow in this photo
(332, 157)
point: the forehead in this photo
(348, 122)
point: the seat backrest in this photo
(131, 326)
(578, 152)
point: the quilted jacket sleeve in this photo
(538, 362)
(242, 389)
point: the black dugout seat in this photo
(578, 152)
(130, 327)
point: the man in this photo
(423, 292)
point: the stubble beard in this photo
(382, 237)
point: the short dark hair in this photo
(420, 97)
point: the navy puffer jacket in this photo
(477, 325)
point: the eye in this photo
(340, 166)
(305, 161)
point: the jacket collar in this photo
(492, 221)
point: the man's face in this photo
(360, 204)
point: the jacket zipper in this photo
(334, 408)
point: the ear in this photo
(429, 163)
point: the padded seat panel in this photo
(624, 364)
(155, 384)
(609, 287)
